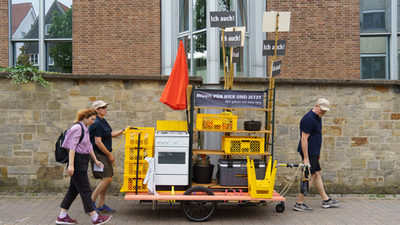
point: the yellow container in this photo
(261, 188)
(130, 185)
(243, 144)
(172, 125)
(131, 153)
(218, 122)
(131, 166)
(146, 137)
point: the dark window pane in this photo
(242, 13)
(183, 15)
(374, 20)
(59, 57)
(200, 55)
(373, 67)
(199, 14)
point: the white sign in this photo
(269, 21)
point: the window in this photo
(49, 49)
(33, 58)
(46, 29)
(377, 34)
(193, 34)
(186, 20)
(373, 57)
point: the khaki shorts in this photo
(108, 168)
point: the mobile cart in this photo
(199, 201)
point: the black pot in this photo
(252, 125)
(203, 174)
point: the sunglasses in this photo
(104, 107)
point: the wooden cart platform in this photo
(218, 196)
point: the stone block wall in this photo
(361, 134)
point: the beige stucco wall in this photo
(361, 133)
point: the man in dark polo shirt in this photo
(309, 149)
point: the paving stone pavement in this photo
(366, 209)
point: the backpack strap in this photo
(82, 133)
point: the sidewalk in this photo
(43, 209)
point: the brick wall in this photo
(4, 33)
(116, 37)
(323, 41)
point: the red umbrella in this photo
(174, 94)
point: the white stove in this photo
(171, 157)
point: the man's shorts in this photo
(314, 162)
(107, 170)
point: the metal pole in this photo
(137, 164)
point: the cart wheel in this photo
(198, 211)
(280, 207)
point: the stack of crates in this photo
(132, 160)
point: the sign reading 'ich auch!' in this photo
(222, 19)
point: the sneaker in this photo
(66, 220)
(105, 209)
(302, 207)
(102, 219)
(330, 203)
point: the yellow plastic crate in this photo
(261, 188)
(243, 144)
(130, 168)
(131, 153)
(146, 137)
(130, 185)
(218, 122)
(172, 125)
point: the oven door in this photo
(171, 160)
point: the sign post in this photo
(223, 20)
(274, 22)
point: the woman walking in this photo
(79, 153)
(101, 136)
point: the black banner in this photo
(229, 98)
(269, 47)
(232, 38)
(276, 68)
(222, 19)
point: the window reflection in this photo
(23, 18)
(57, 24)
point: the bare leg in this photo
(300, 198)
(101, 187)
(319, 185)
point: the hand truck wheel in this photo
(280, 207)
